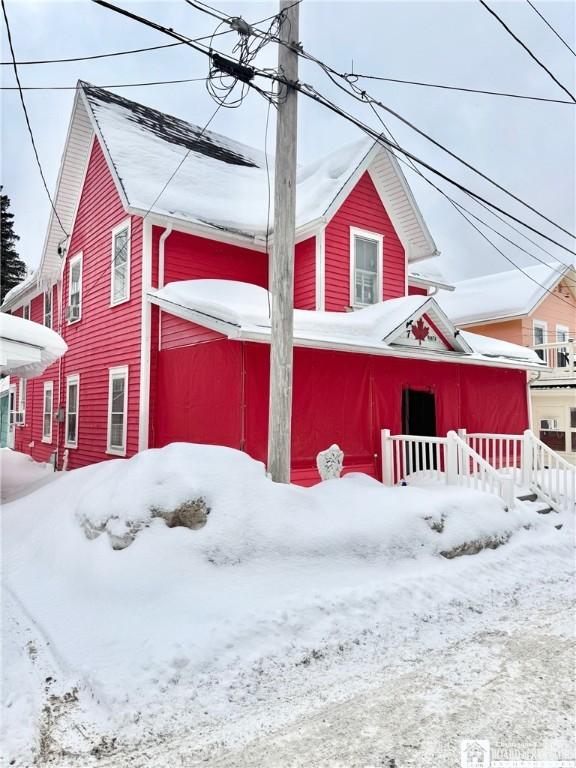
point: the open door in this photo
(419, 418)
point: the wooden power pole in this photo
(282, 262)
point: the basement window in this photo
(117, 410)
(365, 267)
(120, 288)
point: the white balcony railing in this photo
(559, 356)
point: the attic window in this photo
(365, 267)
(120, 288)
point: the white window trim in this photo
(120, 371)
(48, 385)
(26, 307)
(379, 239)
(564, 329)
(73, 261)
(539, 324)
(126, 224)
(49, 292)
(22, 399)
(72, 379)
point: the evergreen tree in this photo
(12, 268)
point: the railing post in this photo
(527, 458)
(508, 492)
(451, 458)
(387, 460)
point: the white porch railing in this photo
(559, 356)
(449, 459)
(495, 463)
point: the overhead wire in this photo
(545, 20)
(527, 49)
(27, 118)
(111, 85)
(314, 95)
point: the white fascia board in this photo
(230, 330)
(424, 282)
(247, 334)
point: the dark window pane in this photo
(554, 440)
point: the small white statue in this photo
(329, 462)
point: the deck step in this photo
(528, 497)
(545, 510)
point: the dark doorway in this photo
(418, 413)
(419, 418)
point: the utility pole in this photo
(282, 262)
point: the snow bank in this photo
(20, 473)
(27, 348)
(273, 564)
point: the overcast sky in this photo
(527, 146)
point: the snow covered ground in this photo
(314, 627)
(19, 474)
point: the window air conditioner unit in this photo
(73, 312)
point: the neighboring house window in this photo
(573, 429)
(75, 289)
(120, 264)
(48, 308)
(365, 267)
(552, 435)
(117, 410)
(72, 401)
(26, 311)
(47, 413)
(562, 352)
(540, 332)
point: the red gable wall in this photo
(363, 209)
(105, 337)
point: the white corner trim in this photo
(145, 338)
(321, 269)
(379, 239)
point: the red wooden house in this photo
(162, 303)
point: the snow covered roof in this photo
(241, 311)
(502, 295)
(429, 274)
(27, 348)
(223, 184)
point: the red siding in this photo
(338, 397)
(105, 337)
(363, 209)
(305, 274)
(415, 291)
(181, 333)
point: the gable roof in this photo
(241, 311)
(222, 187)
(501, 296)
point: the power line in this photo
(558, 35)
(113, 85)
(314, 95)
(461, 209)
(528, 51)
(27, 118)
(456, 88)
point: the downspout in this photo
(59, 428)
(163, 237)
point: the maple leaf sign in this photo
(420, 331)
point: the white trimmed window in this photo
(22, 400)
(120, 286)
(365, 267)
(562, 334)
(47, 412)
(75, 289)
(117, 410)
(540, 333)
(26, 311)
(48, 308)
(72, 404)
